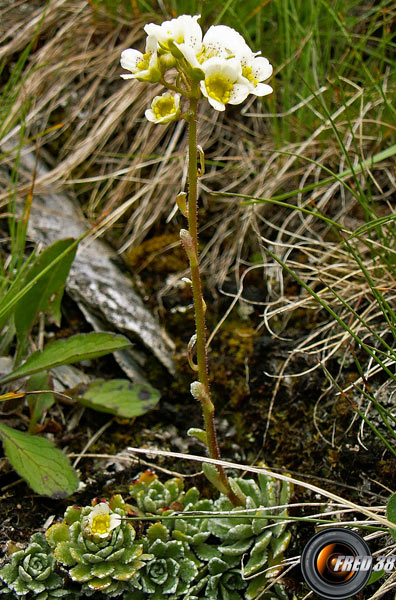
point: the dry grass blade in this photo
(313, 488)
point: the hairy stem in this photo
(199, 305)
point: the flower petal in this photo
(231, 69)
(262, 89)
(189, 54)
(261, 68)
(130, 59)
(184, 29)
(223, 41)
(239, 93)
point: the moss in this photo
(229, 362)
(159, 254)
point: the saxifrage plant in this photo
(220, 67)
(182, 556)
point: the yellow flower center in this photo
(248, 73)
(164, 107)
(100, 524)
(144, 63)
(219, 87)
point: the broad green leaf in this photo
(391, 509)
(63, 352)
(38, 403)
(375, 576)
(45, 468)
(391, 512)
(120, 397)
(46, 294)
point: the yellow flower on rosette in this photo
(164, 108)
(223, 83)
(100, 522)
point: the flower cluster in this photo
(219, 66)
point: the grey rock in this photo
(95, 281)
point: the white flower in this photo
(164, 108)
(183, 30)
(219, 41)
(100, 522)
(144, 67)
(222, 41)
(223, 83)
(256, 69)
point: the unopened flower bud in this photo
(166, 61)
(197, 390)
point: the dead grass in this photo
(91, 131)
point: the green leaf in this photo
(238, 532)
(188, 571)
(120, 397)
(45, 468)
(212, 474)
(38, 403)
(280, 544)
(375, 576)
(235, 549)
(46, 294)
(391, 509)
(391, 512)
(63, 352)
(57, 533)
(255, 563)
(206, 551)
(157, 531)
(256, 585)
(62, 554)
(200, 434)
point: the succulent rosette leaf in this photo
(97, 548)
(255, 537)
(31, 571)
(168, 574)
(194, 532)
(154, 497)
(225, 581)
(221, 579)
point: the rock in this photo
(95, 281)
